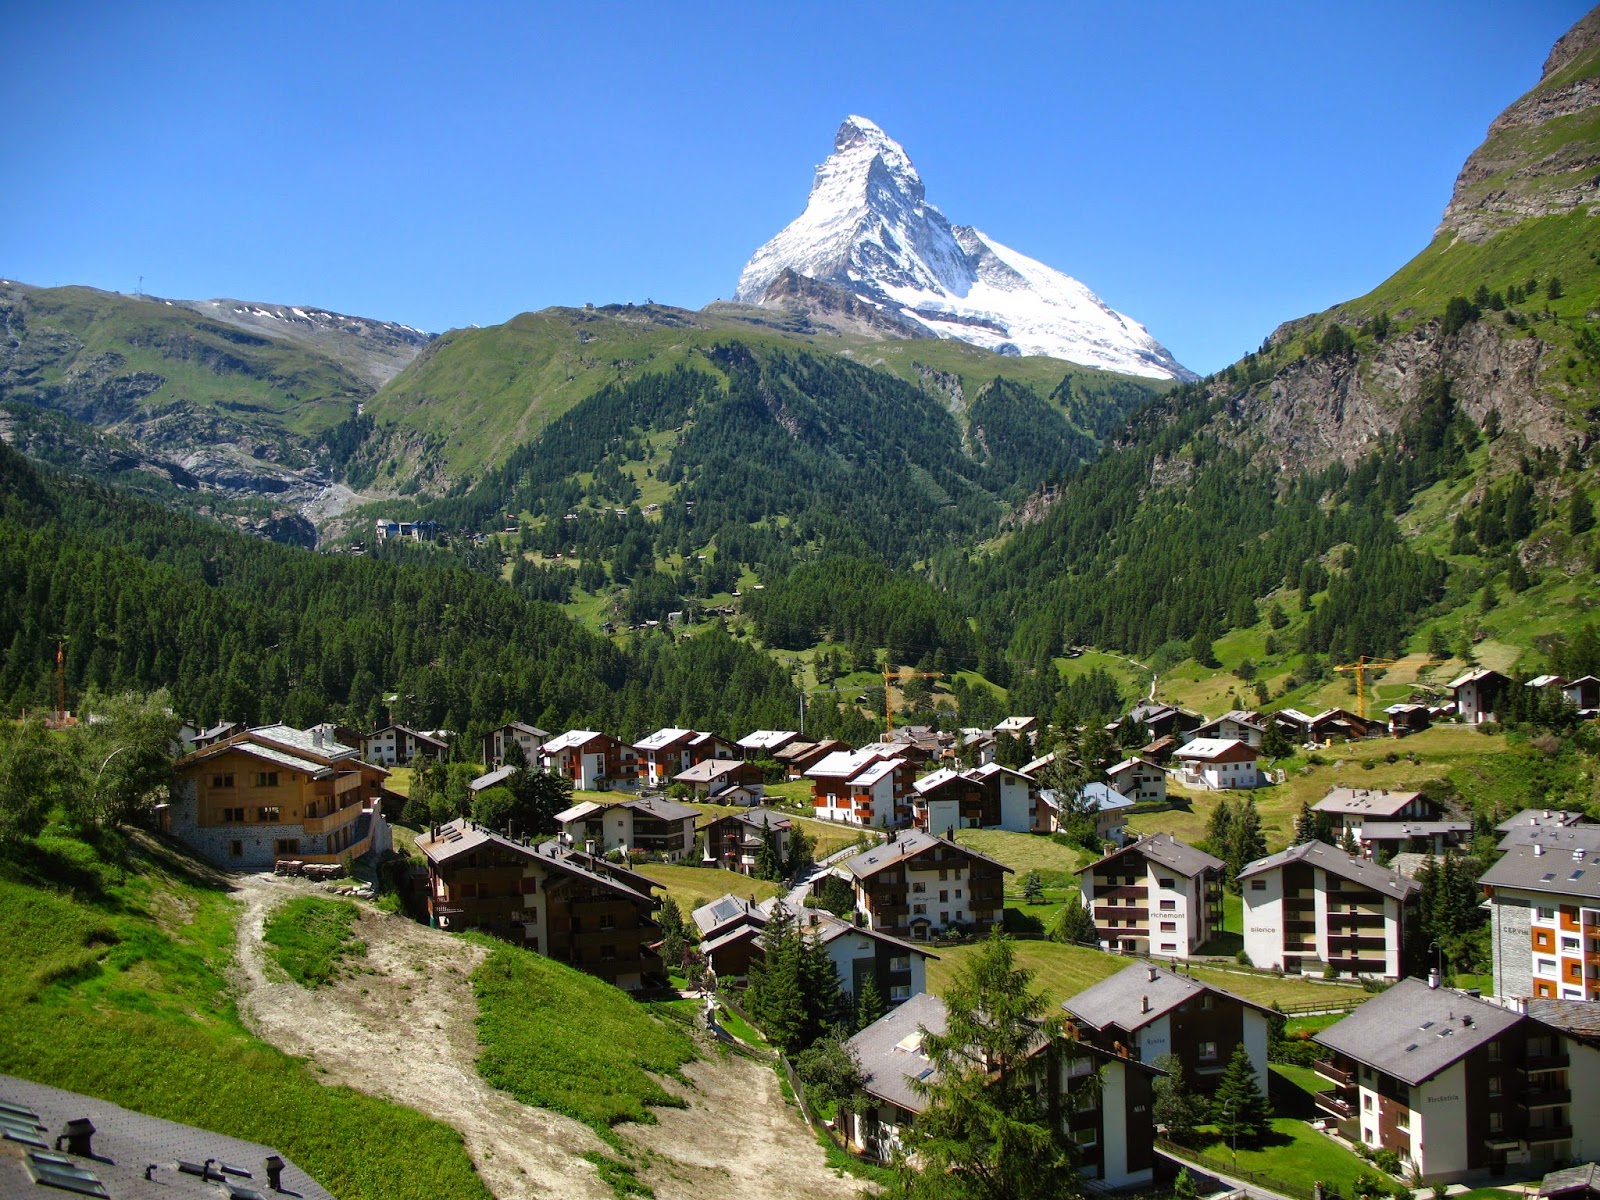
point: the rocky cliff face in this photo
(1536, 160)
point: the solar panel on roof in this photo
(50, 1170)
(16, 1110)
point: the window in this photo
(1545, 966)
(236, 848)
(958, 893)
(944, 918)
(899, 992)
(1546, 914)
(1086, 1137)
(608, 922)
(918, 889)
(1169, 927)
(268, 814)
(1166, 883)
(1366, 1101)
(1208, 1052)
(608, 953)
(1494, 1122)
(1258, 885)
(1369, 1137)
(1494, 1085)
(1494, 1052)
(944, 896)
(1207, 1002)
(222, 781)
(943, 874)
(266, 779)
(900, 962)
(1169, 947)
(919, 908)
(286, 846)
(233, 815)
(1570, 943)
(1169, 906)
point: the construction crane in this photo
(900, 677)
(1360, 668)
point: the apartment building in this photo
(276, 792)
(1218, 764)
(916, 885)
(1139, 779)
(1104, 1099)
(986, 797)
(871, 787)
(1349, 809)
(647, 824)
(668, 752)
(1313, 906)
(1156, 895)
(595, 762)
(734, 842)
(1544, 915)
(1456, 1085)
(1148, 1012)
(529, 737)
(396, 745)
(559, 902)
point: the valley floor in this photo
(402, 1026)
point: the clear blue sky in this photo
(1210, 169)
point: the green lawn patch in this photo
(311, 937)
(1293, 1152)
(556, 1038)
(115, 986)
(694, 886)
(1023, 852)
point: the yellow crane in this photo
(904, 676)
(1360, 668)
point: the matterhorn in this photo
(869, 231)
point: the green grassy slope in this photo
(115, 985)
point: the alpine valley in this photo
(902, 443)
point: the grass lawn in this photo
(1295, 1153)
(693, 886)
(556, 1038)
(1064, 971)
(1023, 852)
(399, 780)
(116, 985)
(1294, 1025)
(311, 937)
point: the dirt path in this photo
(404, 1029)
(406, 1032)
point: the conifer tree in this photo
(1246, 841)
(1218, 827)
(674, 935)
(1239, 1106)
(869, 1002)
(1074, 924)
(1173, 1106)
(1305, 824)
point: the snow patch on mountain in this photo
(869, 229)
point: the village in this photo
(1292, 1002)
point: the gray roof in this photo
(461, 836)
(1584, 1178)
(759, 817)
(1554, 837)
(1580, 1018)
(1137, 995)
(907, 844)
(1167, 850)
(1388, 831)
(1556, 872)
(1337, 862)
(306, 739)
(890, 1050)
(1377, 802)
(724, 910)
(1535, 817)
(484, 782)
(124, 1143)
(1413, 1031)
(659, 806)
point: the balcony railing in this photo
(1545, 1097)
(1331, 1103)
(1545, 1062)
(1115, 912)
(1328, 1070)
(1548, 1133)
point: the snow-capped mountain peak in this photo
(868, 229)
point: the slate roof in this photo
(462, 836)
(662, 808)
(484, 782)
(1574, 1179)
(907, 844)
(890, 1050)
(1413, 1031)
(306, 740)
(1128, 764)
(1337, 862)
(1478, 676)
(843, 764)
(1534, 818)
(1388, 831)
(1102, 797)
(1579, 1018)
(1206, 749)
(711, 770)
(766, 739)
(1557, 838)
(940, 777)
(1377, 802)
(662, 738)
(123, 1144)
(1121, 1000)
(725, 910)
(1169, 852)
(572, 739)
(1555, 872)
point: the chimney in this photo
(1538, 849)
(588, 846)
(1433, 979)
(1144, 1004)
(1577, 853)
(274, 1168)
(78, 1135)
(1152, 969)
(1547, 814)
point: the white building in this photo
(1218, 764)
(1313, 906)
(869, 787)
(1478, 695)
(1155, 895)
(1139, 779)
(651, 825)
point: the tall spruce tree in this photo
(1240, 1107)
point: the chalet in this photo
(897, 968)
(58, 1142)
(919, 744)
(1388, 838)
(734, 842)
(1161, 720)
(495, 778)
(1160, 750)
(1147, 1012)
(800, 756)
(1236, 725)
(1535, 824)
(916, 885)
(595, 762)
(220, 732)
(276, 792)
(715, 777)
(868, 787)
(530, 737)
(1111, 809)
(1104, 1099)
(562, 903)
(1155, 895)
(976, 745)
(1544, 915)
(396, 745)
(1478, 695)
(986, 797)
(646, 825)
(1036, 767)
(765, 743)
(1139, 780)
(1405, 718)
(1583, 694)
(1331, 724)
(1217, 765)
(667, 752)
(1027, 727)
(1349, 808)
(1312, 907)
(1454, 1085)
